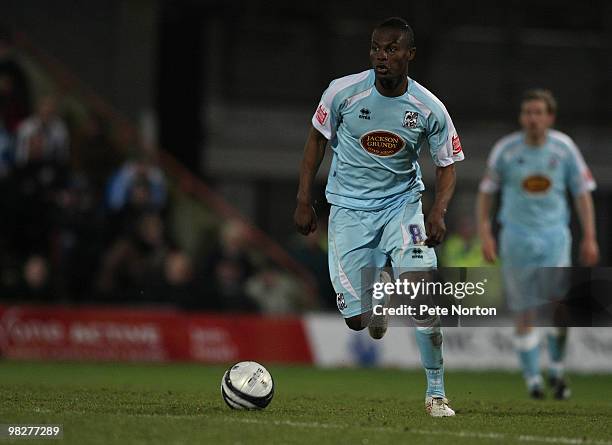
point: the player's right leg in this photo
(354, 256)
(520, 254)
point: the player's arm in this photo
(484, 204)
(589, 250)
(435, 226)
(305, 218)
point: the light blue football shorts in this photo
(361, 239)
(533, 264)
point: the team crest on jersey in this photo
(340, 301)
(537, 183)
(322, 114)
(411, 119)
(382, 143)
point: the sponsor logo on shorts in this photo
(456, 145)
(322, 114)
(340, 301)
(536, 184)
(417, 253)
(382, 143)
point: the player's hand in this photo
(305, 218)
(489, 248)
(589, 252)
(435, 228)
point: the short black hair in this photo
(398, 24)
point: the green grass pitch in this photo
(181, 404)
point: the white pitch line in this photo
(471, 434)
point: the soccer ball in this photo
(247, 385)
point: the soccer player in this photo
(376, 122)
(534, 168)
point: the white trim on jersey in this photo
(587, 183)
(491, 181)
(445, 155)
(322, 119)
(357, 97)
(424, 109)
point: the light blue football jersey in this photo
(376, 141)
(534, 180)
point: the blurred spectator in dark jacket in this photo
(135, 260)
(77, 226)
(95, 154)
(14, 86)
(228, 268)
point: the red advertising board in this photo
(117, 334)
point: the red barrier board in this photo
(117, 334)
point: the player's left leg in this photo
(404, 238)
(555, 284)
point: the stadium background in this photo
(172, 213)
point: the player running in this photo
(376, 122)
(533, 169)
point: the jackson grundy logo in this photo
(382, 143)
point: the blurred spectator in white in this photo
(42, 136)
(274, 291)
(14, 86)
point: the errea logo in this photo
(364, 113)
(417, 253)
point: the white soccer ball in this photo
(247, 385)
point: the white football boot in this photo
(378, 323)
(438, 407)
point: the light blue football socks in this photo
(429, 341)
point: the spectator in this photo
(274, 291)
(95, 154)
(228, 269)
(311, 252)
(133, 262)
(42, 136)
(132, 174)
(36, 279)
(14, 86)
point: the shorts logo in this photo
(340, 301)
(536, 184)
(322, 114)
(417, 253)
(456, 145)
(382, 143)
(411, 119)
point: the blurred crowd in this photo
(85, 219)
(85, 209)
